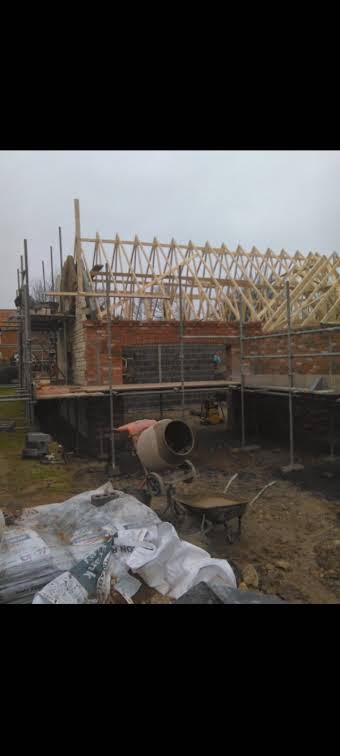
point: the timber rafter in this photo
(216, 282)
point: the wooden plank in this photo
(218, 250)
(121, 294)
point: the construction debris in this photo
(48, 542)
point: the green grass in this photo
(26, 481)
(5, 391)
(11, 410)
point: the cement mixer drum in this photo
(165, 445)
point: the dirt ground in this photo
(291, 536)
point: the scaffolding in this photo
(23, 390)
(290, 356)
(290, 390)
(33, 356)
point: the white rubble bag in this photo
(73, 530)
(174, 565)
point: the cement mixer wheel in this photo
(155, 485)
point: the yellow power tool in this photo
(211, 413)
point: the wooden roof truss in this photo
(216, 282)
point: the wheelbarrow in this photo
(217, 509)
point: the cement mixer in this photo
(162, 448)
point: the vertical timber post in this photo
(62, 308)
(78, 247)
(80, 317)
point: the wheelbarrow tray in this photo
(216, 508)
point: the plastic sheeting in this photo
(61, 535)
(2, 525)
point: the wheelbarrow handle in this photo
(260, 492)
(230, 482)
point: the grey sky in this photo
(271, 199)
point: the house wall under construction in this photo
(164, 302)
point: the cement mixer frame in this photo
(162, 447)
(160, 485)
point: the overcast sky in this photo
(270, 199)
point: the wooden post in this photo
(78, 246)
(62, 308)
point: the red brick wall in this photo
(132, 333)
(304, 344)
(9, 337)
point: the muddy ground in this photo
(291, 536)
(292, 533)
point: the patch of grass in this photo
(11, 410)
(7, 391)
(27, 480)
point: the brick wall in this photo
(78, 339)
(131, 336)
(9, 338)
(304, 344)
(142, 339)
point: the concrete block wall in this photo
(315, 420)
(198, 362)
(154, 406)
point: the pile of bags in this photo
(69, 553)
